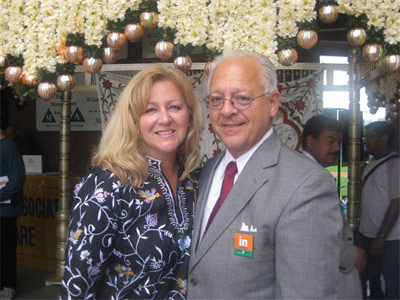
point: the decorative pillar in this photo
(354, 182)
(62, 216)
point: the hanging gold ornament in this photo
(356, 36)
(133, 32)
(66, 82)
(207, 67)
(2, 60)
(307, 38)
(148, 20)
(391, 63)
(13, 74)
(30, 79)
(183, 63)
(328, 13)
(164, 50)
(109, 56)
(74, 54)
(92, 65)
(287, 57)
(372, 52)
(116, 40)
(47, 90)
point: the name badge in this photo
(243, 244)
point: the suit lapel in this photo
(255, 174)
(205, 183)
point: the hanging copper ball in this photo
(287, 57)
(13, 74)
(30, 79)
(115, 40)
(356, 36)
(92, 65)
(66, 82)
(391, 62)
(373, 52)
(74, 54)
(328, 13)
(110, 56)
(207, 67)
(3, 60)
(164, 50)
(149, 20)
(47, 90)
(133, 32)
(183, 63)
(307, 38)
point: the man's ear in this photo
(274, 103)
(310, 141)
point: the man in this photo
(12, 177)
(379, 232)
(276, 233)
(321, 140)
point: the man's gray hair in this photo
(267, 68)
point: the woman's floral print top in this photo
(129, 243)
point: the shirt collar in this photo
(242, 160)
(310, 156)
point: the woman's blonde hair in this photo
(122, 149)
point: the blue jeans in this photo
(387, 264)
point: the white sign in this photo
(33, 163)
(85, 112)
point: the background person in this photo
(12, 178)
(131, 221)
(321, 140)
(276, 235)
(379, 232)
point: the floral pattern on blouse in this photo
(129, 243)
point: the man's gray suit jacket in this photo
(291, 204)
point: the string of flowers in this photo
(382, 18)
(291, 13)
(191, 29)
(240, 24)
(31, 36)
(13, 40)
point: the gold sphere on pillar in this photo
(66, 82)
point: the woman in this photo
(132, 215)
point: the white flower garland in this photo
(292, 12)
(191, 27)
(36, 28)
(382, 14)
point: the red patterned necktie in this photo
(227, 183)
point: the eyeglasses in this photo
(238, 101)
